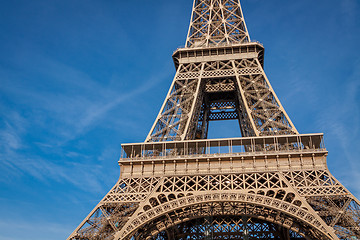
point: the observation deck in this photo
(216, 53)
(266, 153)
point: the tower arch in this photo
(169, 214)
(271, 174)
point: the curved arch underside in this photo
(227, 227)
(233, 211)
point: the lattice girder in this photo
(216, 23)
(314, 192)
(226, 227)
(272, 180)
(134, 201)
(171, 122)
(262, 207)
(256, 106)
(335, 211)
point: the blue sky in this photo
(78, 78)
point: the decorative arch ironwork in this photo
(159, 217)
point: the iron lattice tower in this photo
(271, 183)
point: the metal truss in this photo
(162, 211)
(270, 183)
(286, 186)
(216, 23)
(220, 90)
(226, 227)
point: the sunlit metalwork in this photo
(270, 183)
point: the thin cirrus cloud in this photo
(58, 112)
(341, 121)
(76, 99)
(17, 161)
(24, 227)
(77, 78)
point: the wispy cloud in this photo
(340, 118)
(97, 111)
(30, 230)
(50, 118)
(77, 102)
(16, 161)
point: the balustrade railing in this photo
(226, 146)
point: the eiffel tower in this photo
(269, 183)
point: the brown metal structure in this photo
(270, 183)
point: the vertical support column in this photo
(245, 227)
(209, 22)
(291, 126)
(205, 122)
(284, 233)
(245, 108)
(209, 228)
(148, 138)
(187, 130)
